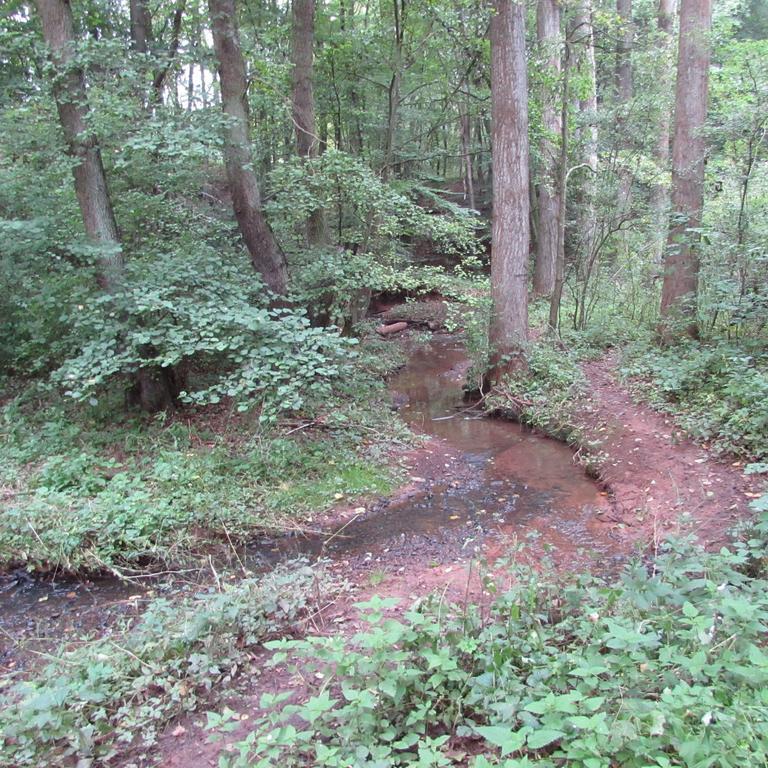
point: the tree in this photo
(624, 93)
(660, 191)
(303, 65)
(266, 255)
(88, 170)
(304, 101)
(141, 26)
(154, 387)
(510, 230)
(681, 266)
(548, 232)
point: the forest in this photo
(384, 383)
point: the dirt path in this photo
(662, 483)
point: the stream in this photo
(493, 478)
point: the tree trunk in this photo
(266, 256)
(303, 65)
(307, 144)
(660, 192)
(510, 230)
(562, 191)
(393, 91)
(72, 105)
(141, 26)
(465, 128)
(161, 74)
(624, 93)
(583, 39)
(547, 232)
(681, 273)
(90, 180)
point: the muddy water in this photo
(493, 481)
(501, 479)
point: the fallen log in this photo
(387, 330)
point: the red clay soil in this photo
(659, 483)
(662, 483)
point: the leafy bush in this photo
(208, 316)
(718, 392)
(665, 666)
(111, 694)
(371, 225)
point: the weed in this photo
(664, 666)
(118, 692)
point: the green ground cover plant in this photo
(664, 665)
(106, 697)
(86, 492)
(718, 391)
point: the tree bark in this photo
(307, 143)
(681, 273)
(151, 386)
(660, 198)
(547, 232)
(303, 66)
(465, 128)
(562, 191)
(624, 93)
(583, 39)
(141, 26)
(161, 74)
(510, 229)
(72, 105)
(393, 91)
(266, 256)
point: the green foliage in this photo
(718, 392)
(210, 316)
(547, 394)
(664, 666)
(87, 492)
(105, 696)
(370, 226)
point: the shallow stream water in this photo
(495, 478)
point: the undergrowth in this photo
(717, 391)
(87, 491)
(547, 395)
(664, 666)
(117, 693)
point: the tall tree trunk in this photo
(393, 92)
(562, 191)
(681, 266)
(660, 193)
(624, 93)
(88, 170)
(266, 256)
(307, 144)
(161, 74)
(510, 230)
(303, 65)
(151, 387)
(141, 26)
(583, 39)
(547, 232)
